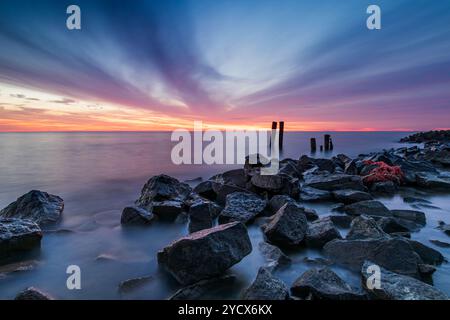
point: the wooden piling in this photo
(281, 135)
(327, 142)
(321, 148)
(313, 145)
(331, 144)
(274, 125)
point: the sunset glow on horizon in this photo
(161, 65)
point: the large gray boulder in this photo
(17, 235)
(324, 284)
(320, 232)
(206, 253)
(348, 196)
(368, 208)
(266, 287)
(394, 254)
(162, 188)
(288, 226)
(395, 286)
(331, 182)
(37, 206)
(242, 207)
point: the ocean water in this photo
(98, 174)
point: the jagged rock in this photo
(364, 227)
(288, 226)
(279, 200)
(322, 164)
(136, 215)
(444, 227)
(384, 187)
(206, 253)
(223, 190)
(162, 188)
(37, 206)
(392, 225)
(266, 287)
(416, 217)
(416, 200)
(347, 196)
(426, 269)
(427, 254)
(276, 184)
(394, 254)
(313, 194)
(432, 181)
(32, 293)
(202, 214)
(399, 287)
(199, 289)
(341, 220)
(242, 207)
(320, 232)
(167, 210)
(311, 214)
(368, 208)
(439, 243)
(206, 190)
(234, 177)
(324, 284)
(274, 256)
(18, 235)
(333, 182)
(133, 284)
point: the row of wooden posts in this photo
(328, 142)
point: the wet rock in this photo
(426, 269)
(311, 214)
(207, 253)
(416, 217)
(288, 226)
(235, 177)
(333, 182)
(384, 187)
(206, 190)
(37, 206)
(439, 243)
(324, 284)
(340, 220)
(416, 200)
(199, 289)
(32, 293)
(364, 227)
(434, 135)
(223, 190)
(276, 184)
(266, 287)
(136, 216)
(427, 254)
(202, 214)
(320, 232)
(351, 168)
(368, 208)
(309, 194)
(394, 254)
(167, 210)
(133, 284)
(274, 256)
(432, 181)
(399, 287)
(347, 196)
(322, 164)
(444, 227)
(17, 235)
(279, 200)
(338, 207)
(392, 225)
(162, 188)
(242, 207)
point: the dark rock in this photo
(434, 135)
(133, 284)
(274, 256)
(333, 182)
(167, 210)
(444, 227)
(399, 287)
(366, 169)
(207, 253)
(266, 287)
(394, 254)
(18, 235)
(338, 207)
(311, 214)
(202, 214)
(32, 293)
(279, 200)
(206, 190)
(384, 187)
(368, 208)
(223, 190)
(401, 234)
(288, 226)
(417, 217)
(199, 289)
(342, 221)
(37, 206)
(364, 227)
(234, 177)
(309, 194)
(427, 254)
(432, 181)
(426, 269)
(162, 188)
(416, 200)
(242, 207)
(320, 232)
(351, 196)
(439, 243)
(324, 284)
(136, 215)
(276, 184)
(392, 225)
(351, 168)
(306, 162)
(317, 261)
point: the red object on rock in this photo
(382, 173)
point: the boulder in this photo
(439, 243)
(162, 188)
(288, 226)
(331, 182)
(17, 235)
(416, 217)
(274, 256)
(341, 220)
(136, 216)
(275, 184)
(199, 289)
(206, 253)
(279, 200)
(235, 177)
(202, 214)
(347, 196)
(206, 190)
(37, 206)
(427, 254)
(364, 227)
(320, 232)
(399, 287)
(324, 284)
(223, 190)
(392, 225)
(266, 287)
(368, 208)
(309, 194)
(32, 293)
(167, 210)
(432, 181)
(394, 254)
(242, 207)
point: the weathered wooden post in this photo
(281, 134)
(327, 142)
(321, 148)
(274, 127)
(331, 144)
(313, 145)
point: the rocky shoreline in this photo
(219, 210)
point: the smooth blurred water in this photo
(98, 174)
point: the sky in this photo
(160, 65)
